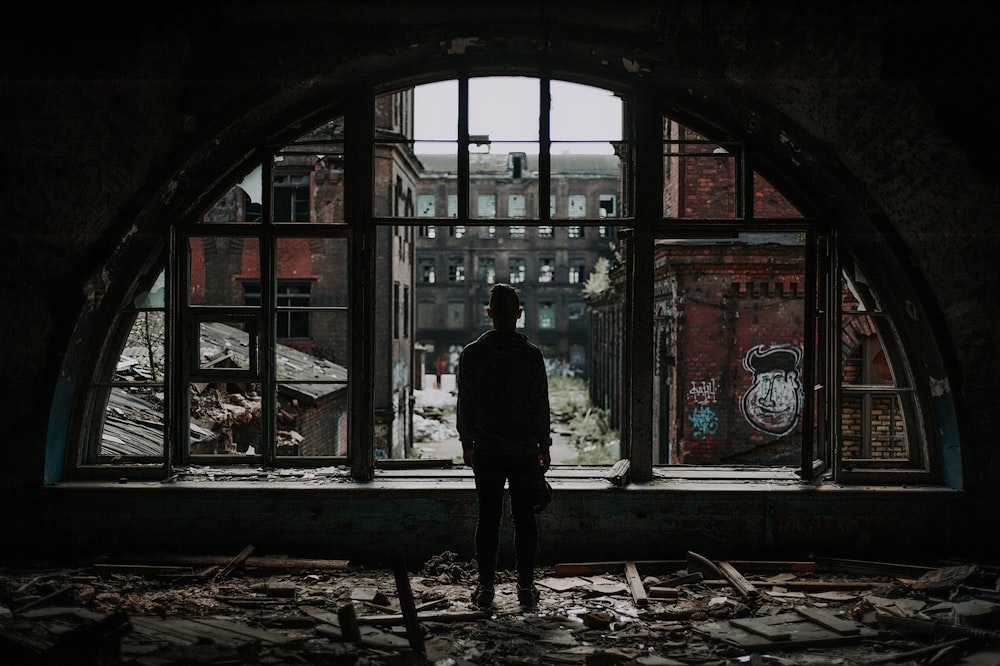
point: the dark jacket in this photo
(503, 395)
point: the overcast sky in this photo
(506, 108)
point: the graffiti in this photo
(773, 402)
(703, 393)
(704, 421)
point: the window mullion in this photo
(639, 347)
(358, 198)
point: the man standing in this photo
(503, 422)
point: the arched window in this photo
(711, 320)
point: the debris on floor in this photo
(248, 609)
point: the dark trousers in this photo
(491, 473)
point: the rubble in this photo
(246, 608)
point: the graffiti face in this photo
(774, 401)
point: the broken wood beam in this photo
(414, 634)
(704, 566)
(671, 566)
(662, 592)
(252, 562)
(686, 579)
(236, 562)
(348, 622)
(873, 568)
(742, 585)
(618, 474)
(635, 585)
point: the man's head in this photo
(505, 306)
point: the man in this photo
(503, 422)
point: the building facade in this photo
(457, 264)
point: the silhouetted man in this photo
(503, 422)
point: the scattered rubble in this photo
(252, 609)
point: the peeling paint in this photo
(940, 387)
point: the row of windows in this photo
(546, 270)
(545, 316)
(517, 206)
(515, 231)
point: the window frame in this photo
(643, 172)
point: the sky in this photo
(506, 109)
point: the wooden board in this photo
(796, 632)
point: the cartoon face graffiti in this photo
(773, 402)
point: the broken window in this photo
(517, 271)
(546, 269)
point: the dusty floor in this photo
(286, 611)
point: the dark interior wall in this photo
(113, 125)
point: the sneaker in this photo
(482, 597)
(527, 596)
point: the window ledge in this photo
(682, 479)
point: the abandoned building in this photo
(219, 216)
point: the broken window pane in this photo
(308, 183)
(728, 334)
(699, 176)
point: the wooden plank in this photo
(252, 562)
(671, 566)
(805, 633)
(348, 622)
(828, 619)
(142, 569)
(741, 584)
(618, 475)
(460, 616)
(635, 585)
(686, 579)
(661, 592)
(414, 634)
(240, 629)
(766, 629)
(236, 561)
(704, 566)
(874, 568)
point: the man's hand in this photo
(544, 461)
(468, 458)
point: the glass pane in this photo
(312, 420)
(504, 108)
(728, 331)
(241, 203)
(584, 185)
(220, 268)
(435, 114)
(155, 296)
(874, 428)
(134, 412)
(226, 345)
(133, 424)
(602, 120)
(142, 358)
(308, 184)
(312, 272)
(225, 418)
(769, 202)
(450, 315)
(323, 356)
(699, 176)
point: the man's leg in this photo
(523, 477)
(490, 480)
